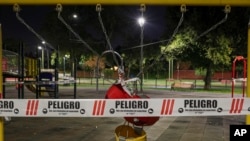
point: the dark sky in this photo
(12, 27)
(34, 16)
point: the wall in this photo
(190, 74)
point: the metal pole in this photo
(233, 71)
(74, 69)
(37, 78)
(142, 9)
(19, 70)
(172, 69)
(141, 61)
(22, 70)
(56, 94)
(63, 66)
(248, 70)
(169, 70)
(47, 55)
(1, 85)
(42, 58)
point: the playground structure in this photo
(243, 80)
(30, 73)
(121, 90)
(212, 2)
(26, 72)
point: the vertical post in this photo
(169, 70)
(47, 55)
(248, 70)
(178, 71)
(141, 22)
(141, 60)
(244, 77)
(1, 85)
(19, 70)
(63, 65)
(22, 70)
(233, 66)
(56, 95)
(172, 69)
(38, 88)
(42, 58)
(74, 70)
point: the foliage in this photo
(108, 73)
(92, 62)
(176, 49)
(211, 50)
(200, 71)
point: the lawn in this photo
(216, 86)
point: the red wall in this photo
(190, 74)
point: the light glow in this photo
(141, 21)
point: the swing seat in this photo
(127, 133)
(117, 92)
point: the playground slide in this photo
(32, 88)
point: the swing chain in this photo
(227, 9)
(183, 8)
(98, 7)
(59, 8)
(142, 8)
(16, 8)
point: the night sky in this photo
(34, 16)
(13, 28)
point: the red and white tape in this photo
(124, 107)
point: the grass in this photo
(162, 84)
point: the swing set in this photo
(119, 90)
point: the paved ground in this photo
(211, 128)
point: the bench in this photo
(187, 85)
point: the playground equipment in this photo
(117, 2)
(30, 73)
(121, 90)
(22, 71)
(26, 72)
(126, 132)
(191, 2)
(242, 80)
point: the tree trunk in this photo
(208, 77)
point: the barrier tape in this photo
(124, 107)
(40, 82)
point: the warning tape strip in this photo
(99, 106)
(124, 107)
(167, 107)
(236, 105)
(32, 107)
(39, 82)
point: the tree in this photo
(217, 53)
(208, 52)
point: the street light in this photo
(42, 62)
(66, 56)
(47, 53)
(141, 22)
(75, 16)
